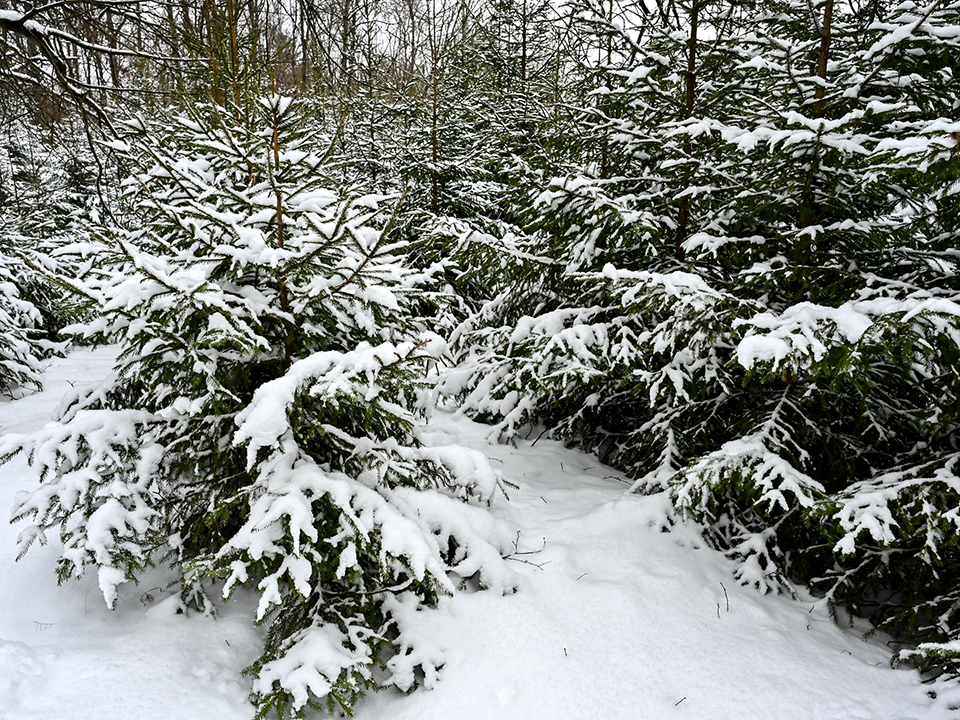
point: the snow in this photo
(63, 654)
(796, 329)
(805, 329)
(264, 421)
(318, 654)
(612, 618)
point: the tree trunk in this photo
(683, 209)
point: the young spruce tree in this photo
(764, 323)
(258, 430)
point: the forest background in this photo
(714, 243)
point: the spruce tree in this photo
(46, 191)
(752, 303)
(259, 428)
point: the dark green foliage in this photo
(259, 430)
(746, 296)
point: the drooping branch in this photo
(35, 52)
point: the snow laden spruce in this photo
(744, 293)
(44, 191)
(259, 429)
(23, 346)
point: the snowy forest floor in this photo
(613, 619)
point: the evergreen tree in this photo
(644, 176)
(46, 190)
(22, 346)
(751, 300)
(862, 315)
(259, 429)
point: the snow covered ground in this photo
(613, 619)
